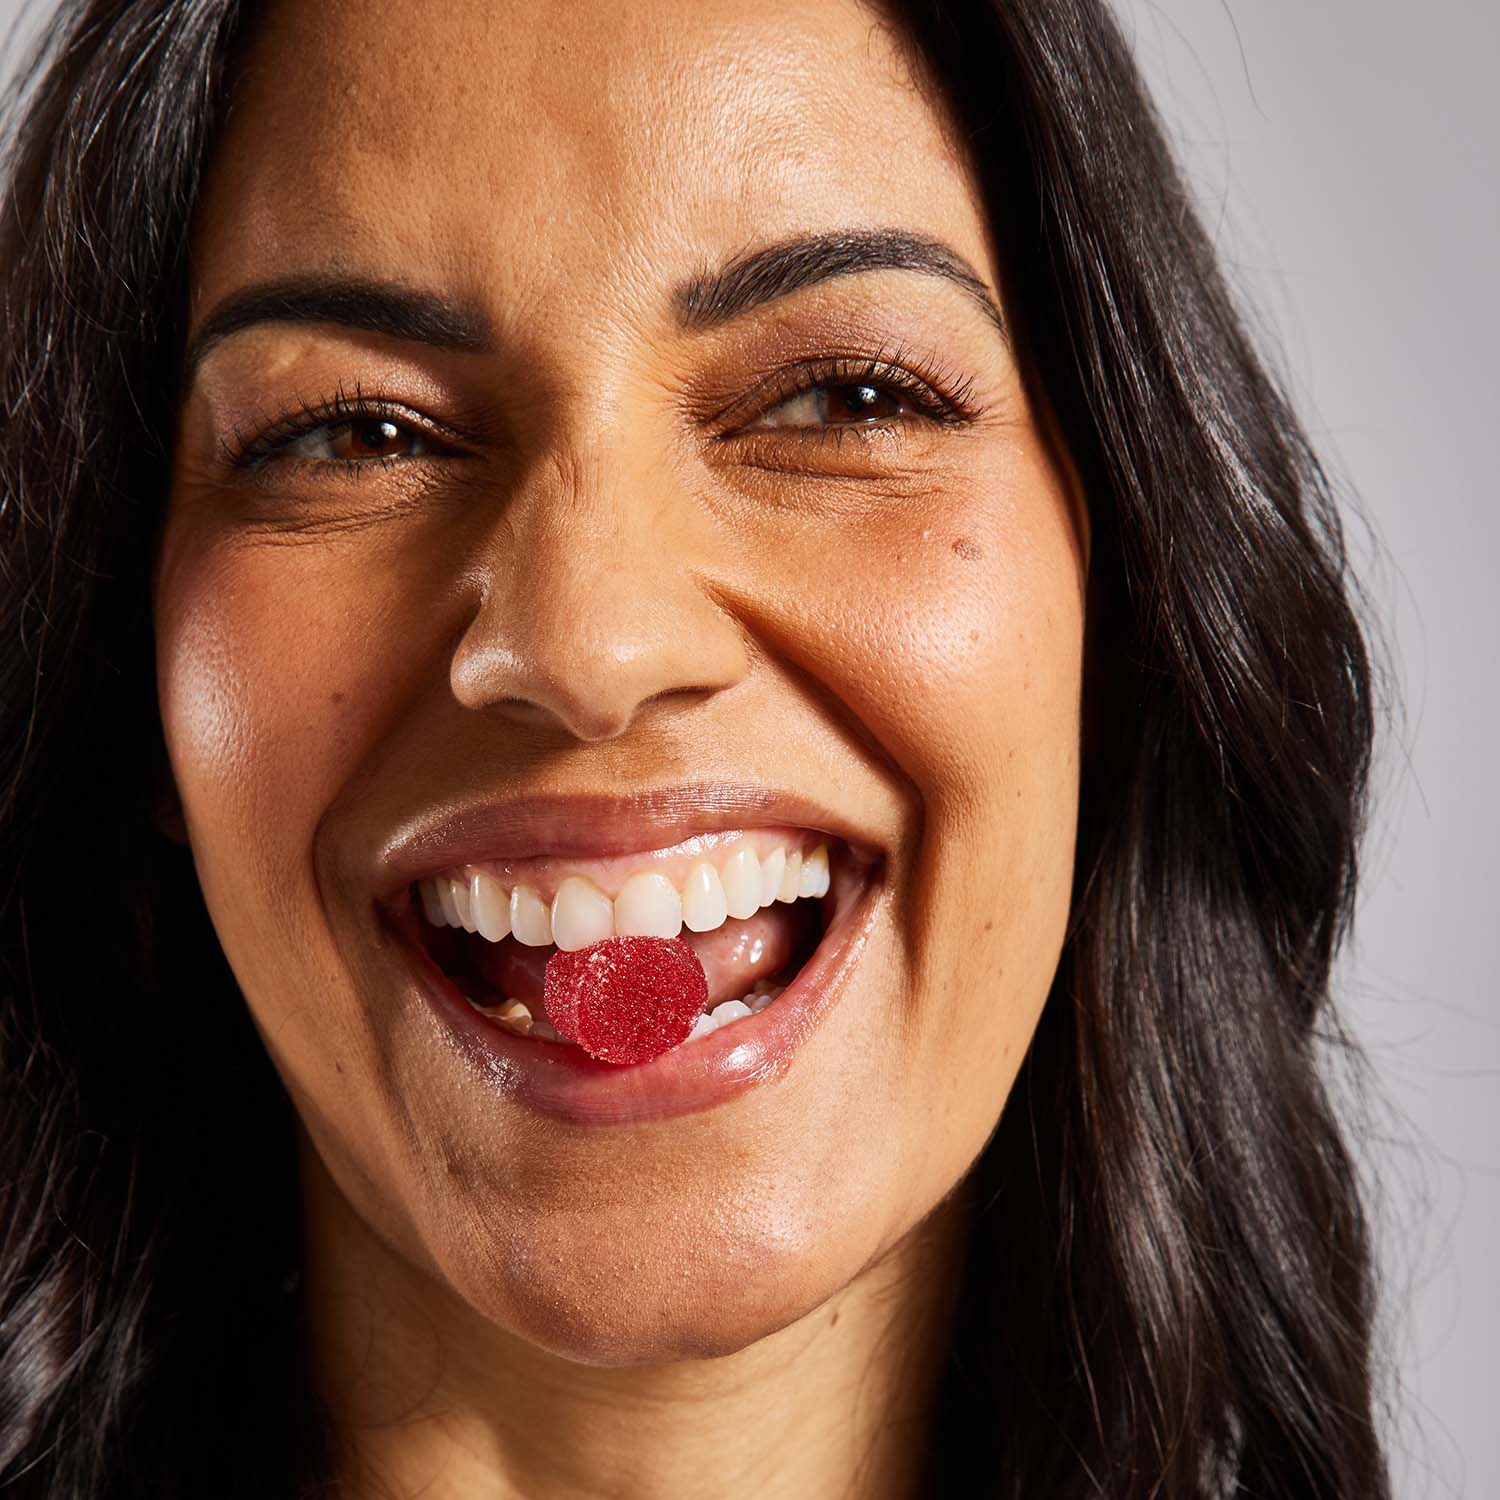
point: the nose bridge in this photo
(589, 601)
(590, 496)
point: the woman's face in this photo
(597, 445)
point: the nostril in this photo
(583, 634)
(578, 725)
(572, 709)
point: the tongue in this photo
(733, 956)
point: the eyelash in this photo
(933, 396)
(255, 450)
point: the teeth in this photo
(432, 903)
(515, 1015)
(489, 906)
(703, 1026)
(730, 1010)
(814, 880)
(581, 914)
(461, 901)
(771, 870)
(518, 1016)
(740, 878)
(648, 906)
(704, 904)
(528, 918)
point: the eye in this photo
(357, 440)
(342, 434)
(836, 404)
(863, 397)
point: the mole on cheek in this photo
(969, 551)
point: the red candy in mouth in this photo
(625, 999)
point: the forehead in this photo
(515, 150)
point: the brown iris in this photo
(372, 438)
(858, 403)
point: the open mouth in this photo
(753, 905)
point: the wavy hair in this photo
(1169, 1290)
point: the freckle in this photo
(973, 635)
(335, 698)
(834, 1319)
(969, 551)
(990, 925)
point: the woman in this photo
(788, 477)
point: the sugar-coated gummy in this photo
(625, 999)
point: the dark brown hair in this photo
(1169, 1293)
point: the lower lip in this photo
(567, 1084)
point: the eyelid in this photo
(939, 395)
(299, 419)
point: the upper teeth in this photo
(648, 904)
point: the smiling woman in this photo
(702, 711)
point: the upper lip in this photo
(593, 825)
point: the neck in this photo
(426, 1397)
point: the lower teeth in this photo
(515, 1015)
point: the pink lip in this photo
(593, 826)
(565, 1083)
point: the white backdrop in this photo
(1347, 153)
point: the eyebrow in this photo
(762, 275)
(399, 312)
(705, 300)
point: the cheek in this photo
(950, 628)
(965, 662)
(273, 677)
(271, 665)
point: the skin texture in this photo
(612, 583)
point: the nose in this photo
(591, 603)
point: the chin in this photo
(615, 1298)
(659, 1329)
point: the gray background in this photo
(1347, 153)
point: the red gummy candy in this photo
(625, 999)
